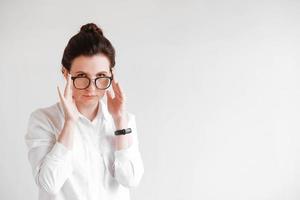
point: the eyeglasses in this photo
(101, 83)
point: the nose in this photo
(91, 87)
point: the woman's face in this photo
(92, 67)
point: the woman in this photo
(81, 147)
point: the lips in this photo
(89, 95)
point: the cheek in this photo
(76, 93)
(101, 93)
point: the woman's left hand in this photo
(116, 107)
(116, 104)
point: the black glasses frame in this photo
(109, 77)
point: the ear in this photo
(112, 71)
(64, 71)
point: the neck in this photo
(89, 111)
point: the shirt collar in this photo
(104, 109)
(102, 112)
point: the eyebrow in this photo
(99, 73)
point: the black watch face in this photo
(120, 132)
(123, 131)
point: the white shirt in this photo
(93, 169)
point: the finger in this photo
(117, 91)
(114, 86)
(62, 100)
(67, 92)
(120, 93)
(109, 95)
(75, 106)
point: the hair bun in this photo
(91, 28)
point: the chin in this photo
(88, 100)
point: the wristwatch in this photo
(123, 131)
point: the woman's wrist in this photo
(70, 122)
(66, 135)
(121, 122)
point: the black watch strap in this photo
(123, 131)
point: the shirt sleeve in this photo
(50, 160)
(128, 164)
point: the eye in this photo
(101, 75)
(81, 75)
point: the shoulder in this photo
(42, 127)
(48, 112)
(51, 115)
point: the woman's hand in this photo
(116, 104)
(116, 107)
(68, 103)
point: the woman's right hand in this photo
(68, 102)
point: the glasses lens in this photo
(103, 83)
(81, 82)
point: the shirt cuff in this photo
(125, 154)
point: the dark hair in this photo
(88, 42)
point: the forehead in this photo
(90, 64)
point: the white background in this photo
(214, 85)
